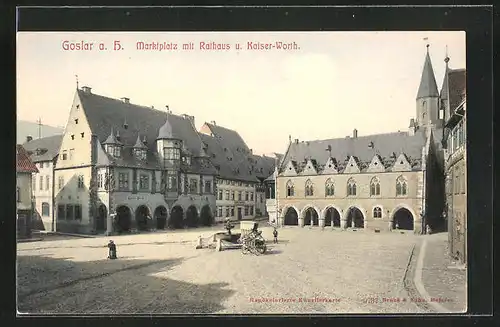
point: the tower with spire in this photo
(427, 100)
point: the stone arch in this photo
(206, 216)
(143, 217)
(192, 216)
(123, 219)
(310, 214)
(101, 218)
(332, 216)
(290, 216)
(176, 219)
(161, 217)
(404, 216)
(355, 217)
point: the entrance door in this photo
(239, 214)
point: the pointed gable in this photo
(428, 87)
(376, 165)
(402, 163)
(310, 168)
(331, 166)
(352, 166)
(290, 169)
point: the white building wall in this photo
(43, 184)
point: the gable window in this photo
(193, 186)
(172, 181)
(123, 179)
(60, 182)
(401, 186)
(377, 212)
(144, 182)
(351, 187)
(290, 189)
(208, 187)
(140, 154)
(65, 155)
(116, 151)
(374, 186)
(18, 194)
(329, 188)
(309, 188)
(45, 209)
(80, 182)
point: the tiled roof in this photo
(457, 87)
(428, 86)
(23, 162)
(263, 166)
(48, 148)
(104, 114)
(386, 145)
(229, 137)
(230, 166)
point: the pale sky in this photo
(335, 82)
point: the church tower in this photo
(428, 97)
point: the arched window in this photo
(401, 186)
(329, 188)
(289, 189)
(351, 187)
(374, 186)
(45, 209)
(309, 188)
(377, 212)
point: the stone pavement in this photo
(440, 281)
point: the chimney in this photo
(213, 123)
(355, 133)
(126, 100)
(87, 89)
(296, 141)
(29, 138)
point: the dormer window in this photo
(140, 154)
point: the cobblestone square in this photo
(309, 271)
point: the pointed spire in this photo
(428, 87)
(139, 144)
(76, 81)
(444, 87)
(111, 138)
(166, 131)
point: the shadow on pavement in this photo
(57, 285)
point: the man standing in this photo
(275, 234)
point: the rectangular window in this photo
(208, 187)
(251, 210)
(99, 181)
(144, 182)
(227, 195)
(171, 154)
(69, 212)
(247, 196)
(116, 151)
(71, 153)
(45, 209)
(41, 183)
(80, 182)
(47, 182)
(251, 196)
(220, 211)
(246, 210)
(232, 211)
(78, 212)
(61, 212)
(232, 196)
(219, 195)
(193, 186)
(172, 181)
(65, 155)
(239, 196)
(60, 181)
(123, 179)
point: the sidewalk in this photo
(438, 279)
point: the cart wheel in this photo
(262, 249)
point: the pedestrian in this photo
(112, 250)
(428, 229)
(275, 234)
(397, 226)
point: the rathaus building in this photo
(383, 181)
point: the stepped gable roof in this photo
(104, 113)
(23, 162)
(222, 158)
(457, 87)
(428, 86)
(343, 148)
(50, 143)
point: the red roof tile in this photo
(23, 162)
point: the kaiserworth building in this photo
(123, 167)
(384, 181)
